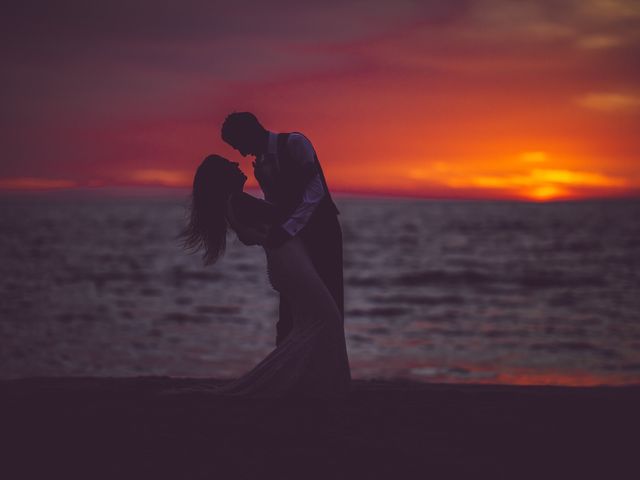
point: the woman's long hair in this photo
(207, 224)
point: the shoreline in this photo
(92, 427)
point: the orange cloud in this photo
(597, 42)
(167, 178)
(610, 102)
(533, 157)
(33, 183)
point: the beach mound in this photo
(127, 428)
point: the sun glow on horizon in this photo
(533, 175)
(545, 184)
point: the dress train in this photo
(312, 360)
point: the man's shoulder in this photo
(298, 138)
(298, 142)
(298, 149)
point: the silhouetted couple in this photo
(298, 228)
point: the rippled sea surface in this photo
(491, 292)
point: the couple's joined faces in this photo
(239, 174)
(243, 151)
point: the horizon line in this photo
(170, 191)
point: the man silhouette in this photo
(288, 171)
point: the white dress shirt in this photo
(302, 151)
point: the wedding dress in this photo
(312, 360)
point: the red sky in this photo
(475, 99)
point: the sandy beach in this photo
(126, 428)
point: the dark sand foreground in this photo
(123, 428)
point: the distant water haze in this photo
(436, 291)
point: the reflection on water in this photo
(435, 290)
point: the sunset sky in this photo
(531, 100)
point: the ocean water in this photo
(436, 291)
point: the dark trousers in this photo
(323, 238)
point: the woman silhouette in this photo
(312, 360)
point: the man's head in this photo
(243, 131)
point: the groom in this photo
(289, 173)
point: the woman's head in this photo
(217, 177)
(215, 180)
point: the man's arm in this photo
(302, 152)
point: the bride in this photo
(312, 360)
